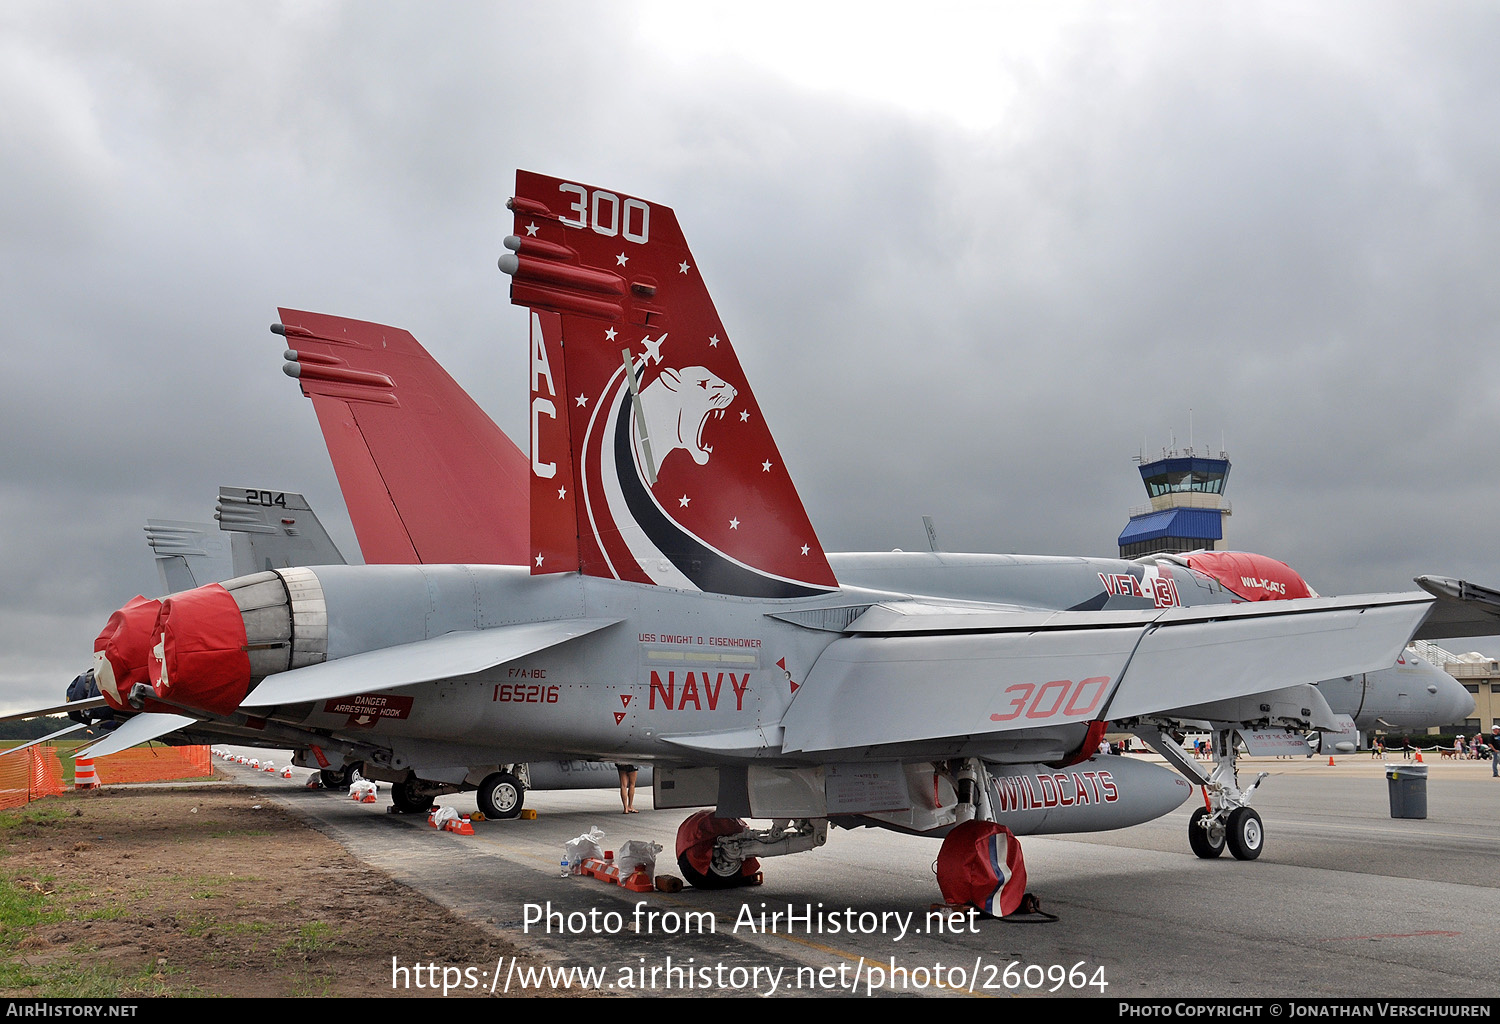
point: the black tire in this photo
(713, 880)
(1199, 839)
(339, 778)
(408, 799)
(1246, 835)
(501, 795)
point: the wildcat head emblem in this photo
(676, 407)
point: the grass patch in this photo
(41, 813)
(25, 904)
(310, 938)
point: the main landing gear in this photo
(1227, 820)
(500, 795)
(722, 853)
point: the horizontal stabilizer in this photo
(443, 657)
(140, 729)
(49, 736)
(866, 691)
(56, 709)
(1462, 609)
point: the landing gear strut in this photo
(1227, 821)
(721, 853)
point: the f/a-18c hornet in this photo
(676, 608)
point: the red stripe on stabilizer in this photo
(201, 661)
(720, 479)
(426, 474)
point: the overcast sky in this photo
(973, 264)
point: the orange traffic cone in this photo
(84, 776)
(286, 773)
(1419, 758)
(1330, 761)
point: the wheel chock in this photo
(638, 881)
(528, 814)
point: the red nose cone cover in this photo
(200, 660)
(1252, 577)
(125, 643)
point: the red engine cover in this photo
(201, 661)
(123, 650)
(1250, 576)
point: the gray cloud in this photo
(1276, 219)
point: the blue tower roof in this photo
(1205, 524)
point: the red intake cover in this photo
(1252, 577)
(124, 647)
(201, 660)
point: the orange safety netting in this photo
(154, 764)
(32, 773)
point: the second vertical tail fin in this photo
(650, 459)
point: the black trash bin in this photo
(1408, 787)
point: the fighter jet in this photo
(677, 608)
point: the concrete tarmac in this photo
(1344, 902)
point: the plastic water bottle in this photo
(565, 872)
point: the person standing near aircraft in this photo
(628, 774)
(1495, 751)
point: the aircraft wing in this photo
(44, 739)
(913, 684)
(141, 729)
(443, 657)
(75, 705)
(426, 475)
(1462, 609)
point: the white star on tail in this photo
(561, 493)
(621, 260)
(734, 524)
(765, 467)
(683, 268)
(538, 561)
(531, 230)
(609, 335)
(683, 501)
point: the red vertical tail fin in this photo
(672, 476)
(426, 475)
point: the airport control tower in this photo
(1187, 509)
